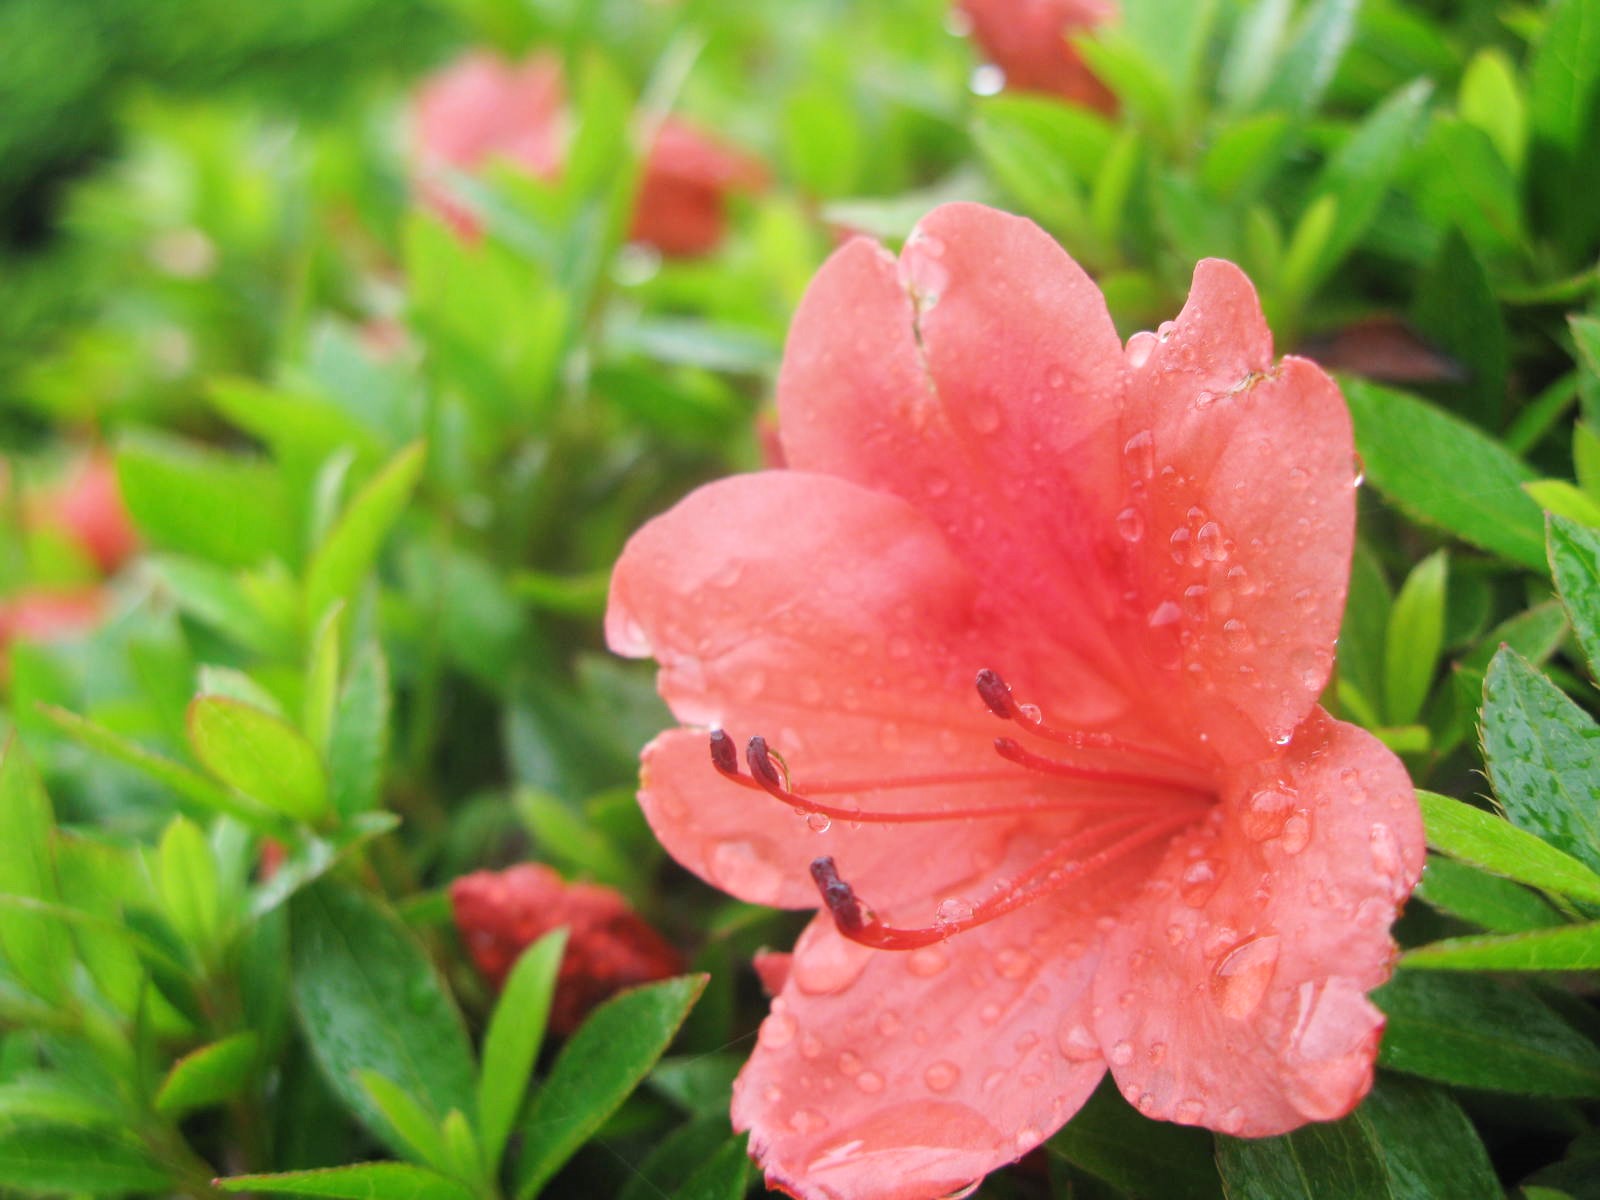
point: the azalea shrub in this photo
(657, 598)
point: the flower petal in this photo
(1240, 521)
(1233, 994)
(887, 1076)
(978, 378)
(836, 623)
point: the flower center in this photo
(1145, 795)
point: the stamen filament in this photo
(1002, 702)
(1014, 752)
(766, 776)
(856, 921)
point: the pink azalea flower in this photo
(483, 108)
(88, 507)
(1129, 563)
(1027, 39)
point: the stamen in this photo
(1055, 871)
(724, 754)
(1013, 752)
(767, 775)
(1002, 702)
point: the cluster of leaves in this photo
(381, 472)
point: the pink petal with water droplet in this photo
(839, 1109)
(1028, 40)
(1260, 1003)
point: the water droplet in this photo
(927, 961)
(1177, 935)
(1056, 377)
(987, 80)
(1012, 963)
(777, 1031)
(1189, 1112)
(1233, 1120)
(1140, 451)
(1296, 832)
(1386, 853)
(1121, 1054)
(1238, 635)
(1130, 525)
(1157, 1053)
(1179, 541)
(829, 962)
(961, 1193)
(807, 1120)
(1165, 330)
(1239, 980)
(1359, 469)
(952, 910)
(989, 1014)
(1028, 1137)
(888, 1023)
(941, 1076)
(819, 822)
(1309, 665)
(1306, 600)
(1077, 1042)
(810, 1047)
(1199, 881)
(1209, 541)
(1164, 614)
(1265, 813)
(1239, 580)
(985, 418)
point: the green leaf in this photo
(191, 892)
(1303, 73)
(190, 786)
(38, 948)
(60, 1158)
(1491, 98)
(1543, 754)
(1446, 473)
(1243, 154)
(225, 509)
(1407, 1141)
(511, 1045)
(1175, 33)
(1414, 639)
(1111, 1141)
(725, 1176)
(698, 1083)
(596, 1070)
(1560, 498)
(1483, 899)
(260, 756)
(1572, 948)
(1252, 52)
(322, 681)
(351, 547)
(565, 836)
(416, 1128)
(1565, 73)
(368, 999)
(208, 1075)
(1495, 844)
(365, 1181)
(359, 738)
(1456, 308)
(214, 596)
(675, 1158)
(1575, 563)
(1476, 1032)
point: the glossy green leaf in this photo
(1476, 1032)
(1414, 639)
(351, 547)
(1575, 564)
(359, 736)
(418, 1129)
(1495, 844)
(1483, 899)
(596, 1070)
(1456, 309)
(190, 500)
(1491, 98)
(260, 756)
(1446, 473)
(1543, 753)
(368, 999)
(1561, 499)
(365, 1181)
(1111, 1141)
(1306, 67)
(322, 681)
(190, 884)
(676, 1157)
(208, 1075)
(198, 791)
(1253, 52)
(511, 1045)
(54, 1159)
(725, 1176)
(38, 948)
(1565, 74)
(1572, 948)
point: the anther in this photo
(996, 693)
(763, 767)
(839, 897)
(724, 754)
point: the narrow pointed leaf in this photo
(351, 547)
(516, 1031)
(365, 1181)
(259, 755)
(1575, 563)
(39, 949)
(1495, 844)
(208, 1075)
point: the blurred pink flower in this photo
(39, 615)
(609, 946)
(1027, 39)
(482, 108)
(1172, 863)
(87, 506)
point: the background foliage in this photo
(387, 663)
